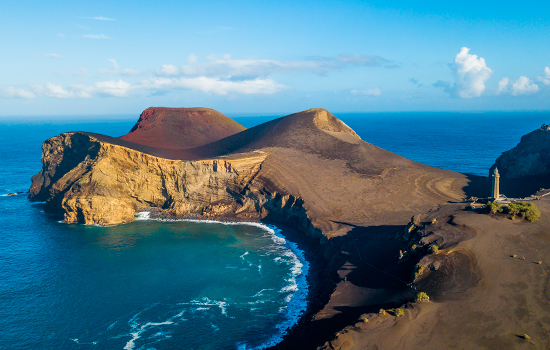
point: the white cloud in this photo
(470, 72)
(369, 92)
(524, 86)
(215, 85)
(503, 85)
(192, 58)
(247, 68)
(114, 88)
(122, 88)
(101, 18)
(224, 67)
(53, 90)
(95, 36)
(168, 70)
(14, 92)
(545, 79)
(219, 76)
(118, 88)
(52, 55)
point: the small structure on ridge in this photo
(496, 184)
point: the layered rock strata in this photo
(308, 170)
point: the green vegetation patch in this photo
(399, 312)
(526, 210)
(493, 207)
(422, 296)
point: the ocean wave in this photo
(297, 287)
(138, 328)
(204, 301)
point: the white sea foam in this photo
(143, 215)
(138, 328)
(297, 288)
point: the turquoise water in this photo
(185, 285)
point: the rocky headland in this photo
(348, 202)
(531, 156)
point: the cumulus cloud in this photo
(219, 75)
(52, 55)
(368, 92)
(522, 86)
(121, 88)
(470, 73)
(503, 85)
(545, 79)
(95, 36)
(168, 70)
(53, 90)
(15, 92)
(113, 88)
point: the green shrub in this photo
(529, 211)
(418, 269)
(434, 248)
(422, 296)
(399, 312)
(382, 312)
(493, 207)
(366, 320)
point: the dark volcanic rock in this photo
(530, 157)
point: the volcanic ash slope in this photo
(307, 169)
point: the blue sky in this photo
(70, 58)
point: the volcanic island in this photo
(384, 234)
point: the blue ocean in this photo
(183, 284)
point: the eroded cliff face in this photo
(530, 157)
(93, 182)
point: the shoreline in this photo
(300, 246)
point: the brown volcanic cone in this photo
(179, 128)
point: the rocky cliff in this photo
(530, 157)
(308, 170)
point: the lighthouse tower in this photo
(496, 184)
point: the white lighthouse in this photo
(496, 184)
